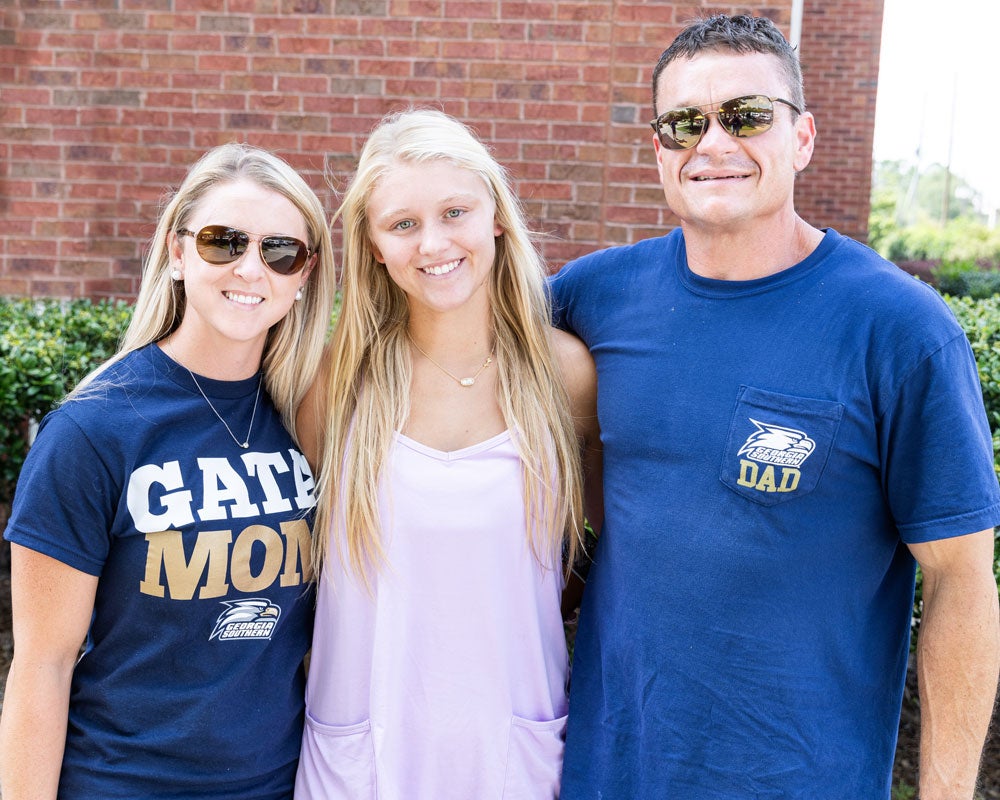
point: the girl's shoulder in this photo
(575, 363)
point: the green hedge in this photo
(46, 347)
(966, 279)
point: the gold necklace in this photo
(245, 443)
(461, 381)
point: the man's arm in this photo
(958, 661)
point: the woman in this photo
(450, 484)
(162, 515)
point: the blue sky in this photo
(939, 88)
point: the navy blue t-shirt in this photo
(769, 448)
(191, 684)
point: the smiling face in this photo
(724, 183)
(433, 226)
(230, 307)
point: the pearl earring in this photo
(298, 294)
(176, 275)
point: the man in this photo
(788, 422)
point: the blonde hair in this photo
(365, 398)
(294, 345)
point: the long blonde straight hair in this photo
(365, 398)
(294, 345)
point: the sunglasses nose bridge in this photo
(247, 256)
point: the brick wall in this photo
(105, 104)
(839, 52)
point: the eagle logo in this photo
(255, 618)
(775, 444)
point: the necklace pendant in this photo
(245, 445)
(467, 381)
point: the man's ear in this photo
(805, 135)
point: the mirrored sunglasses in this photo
(218, 244)
(742, 117)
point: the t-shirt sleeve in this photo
(558, 291)
(572, 290)
(938, 450)
(66, 498)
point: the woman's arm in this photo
(310, 420)
(52, 605)
(580, 376)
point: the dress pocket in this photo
(534, 759)
(778, 445)
(337, 762)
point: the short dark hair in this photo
(740, 34)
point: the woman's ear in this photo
(175, 249)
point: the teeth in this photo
(442, 269)
(245, 299)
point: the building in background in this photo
(104, 107)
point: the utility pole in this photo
(946, 200)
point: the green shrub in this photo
(981, 321)
(965, 278)
(46, 347)
(959, 240)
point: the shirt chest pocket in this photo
(778, 445)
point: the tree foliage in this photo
(929, 216)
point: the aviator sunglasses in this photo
(742, 117)
(218, 244)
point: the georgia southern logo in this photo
(246, 619)
(780, 450)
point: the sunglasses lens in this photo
(747, 116)
(681, 128)
(218, 244)
(284, 254)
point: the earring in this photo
(176, 275)
(298, 294)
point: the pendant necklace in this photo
(461, 381)
(244, 444)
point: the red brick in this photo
(470, 9)
(383, 69)
(34, 153)
(145, 42)
(122, 289)
(169, 100)
(220, 62)
(197, 80)
(37, 247)
(13, 95)
(69, 40)
(13, 287)
(302, 45)
(447, 28)
(163, 136)
(196, 42)
(248, 82)
(412, 48)
(171, 62)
